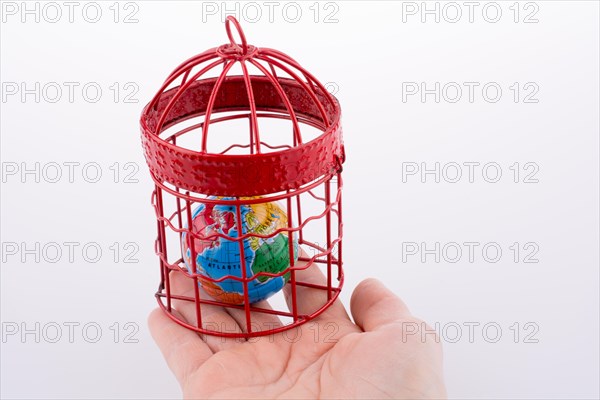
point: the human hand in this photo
(329, 357)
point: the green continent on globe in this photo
(273, 258)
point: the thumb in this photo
(373, 305)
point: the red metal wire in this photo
(181, 90)
(286, 101)
(230, 19)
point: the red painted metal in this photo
(297, 173)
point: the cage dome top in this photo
(281, 89)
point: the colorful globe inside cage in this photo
(218, 257)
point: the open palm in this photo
(375, 356)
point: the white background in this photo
(368, 56)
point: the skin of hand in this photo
(382, 354)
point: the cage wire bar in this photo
(295, 173)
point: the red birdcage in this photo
(233, 219)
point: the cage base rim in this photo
(302, 319)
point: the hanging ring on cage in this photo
(244, 46)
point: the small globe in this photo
(217, 257)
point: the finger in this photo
(373, 305)
(309, 300)
(182, 348)
(213, 317)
